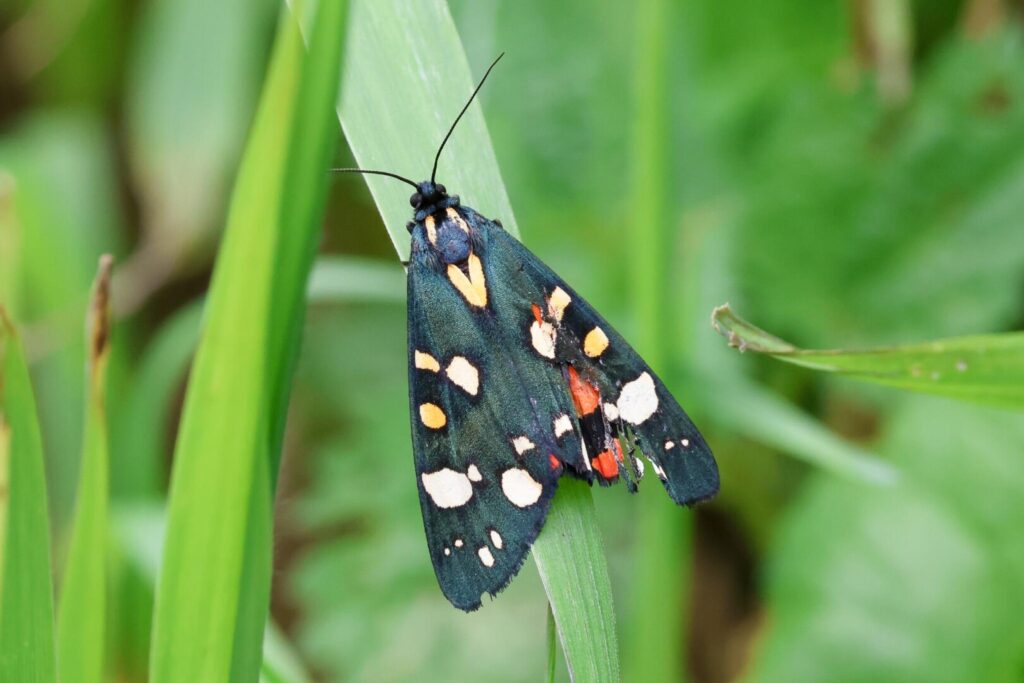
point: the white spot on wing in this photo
(542, 336)
(473, 473)
(638, 400)
(522, 444)
(685, 443)
(639, 467)
(562, 425)
(447, 488)
(485, 556)
(464, 374)
(447, 552)
(458, 542)
(520, 488)
(611, 413)
(669, 445)
(496, 540)
(557, 303)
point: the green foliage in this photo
(210, 616)
(26, 597)
(82, 611)
(846, 174)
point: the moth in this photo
(514, 382)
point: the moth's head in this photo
(430, 198)
(427, 194)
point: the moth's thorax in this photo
(448, 234)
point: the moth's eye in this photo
(415, 200)
(440, 189)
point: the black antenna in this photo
(459, 117)
(387, 173)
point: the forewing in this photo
(483, 436)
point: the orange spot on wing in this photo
(536, 313)
(585, 395)
(555, 462)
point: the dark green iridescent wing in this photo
(508, 391)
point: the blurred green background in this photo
(845, 174)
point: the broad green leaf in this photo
(81, 615)
(210, 614)
(26, 594)
(384, 133)
(984, 369)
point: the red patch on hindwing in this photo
(585, 395)
(607, 462)
(536, 313)
(555, 462)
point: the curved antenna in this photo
(459, 117)
(387, 173)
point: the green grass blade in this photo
(215, 578)
(81, 615)
(426, 65)
(406, 77)
(313, 145)
(984, 368)
(552, 646)
(26, 595)
(570, 559)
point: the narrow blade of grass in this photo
(81, 616)
(214, 585)
(26, 595)
(403, 53)
(570, 559)
(984, 368)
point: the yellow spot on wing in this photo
(595, 342)
(557, 303)
(473, 288)
(432, 416)
(424, 361)
(431, 229)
